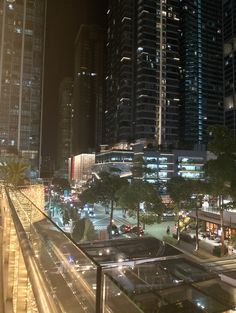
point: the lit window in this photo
(18, 30)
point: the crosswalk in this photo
(100, 224)
(222, 265)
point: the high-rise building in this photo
(64, 138)
(21, 75)
(88, 89)
(143, 71)
(229, 41)
(201, 68)
(164, 71)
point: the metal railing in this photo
(63, 278)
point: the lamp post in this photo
(198, 205)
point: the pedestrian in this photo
(168, 230)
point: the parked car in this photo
(125, 228)
(134, 230)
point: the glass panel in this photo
(69, 273)
(114, 298)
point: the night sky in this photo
(63, 21)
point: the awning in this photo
(211, 217)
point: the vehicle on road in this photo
(169, 213)
(91, 213)
(114, 230)
(125, 229)
(134, 230)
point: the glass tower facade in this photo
(88, 89)
(229, 37)
(142, 80)
(64, 143)
(164, 71)
(201, 68)
(21, 71)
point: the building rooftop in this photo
(159, 278)
(129, 249)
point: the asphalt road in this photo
(157, 230)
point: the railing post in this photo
(99, 290)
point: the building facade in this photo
(80, 168)
(164, 80)
(229, 41)
(201, 68)
(88, 89)
(158, 166)
(21, 75)
(64, 147)
(142, 82)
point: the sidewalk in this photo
(159, 230)
(189, 249)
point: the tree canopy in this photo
(104, 190)
(220, 171)
(180, 192)
(83, 230)
(141, 192)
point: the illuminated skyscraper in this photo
(201, 68)
(143, 72)
(164, 71)
(21, 75)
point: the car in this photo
(134, 230)
(91, 213)
(125, 228)
(169, 213)
(114, 230)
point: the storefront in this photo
(211, 224)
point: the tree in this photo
(198, 189)
(104, 190)
(65, 217)
(220, 172)
(83, 230)
(180, 191)
(61, 184)
(13, 171)
(137, 168)
(136, 193)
